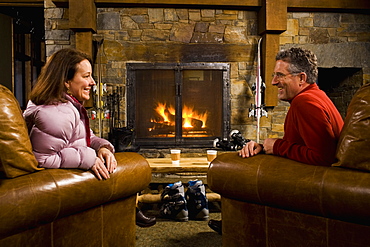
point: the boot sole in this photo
(145, 225)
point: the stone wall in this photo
(338, 39)
(210, 35)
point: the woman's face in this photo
(82, 82)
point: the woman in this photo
(58, 123)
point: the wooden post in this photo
(272, 21)
(84, 42)
(270, 46)
(82, 20)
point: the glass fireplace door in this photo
(201, 103)
(155, 103)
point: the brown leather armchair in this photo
(273, 201)
(62, 207)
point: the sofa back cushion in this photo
(16, 156)
(354, 142)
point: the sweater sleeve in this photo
(309, 137)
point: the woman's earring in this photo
(69, 92)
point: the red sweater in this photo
(312, 128)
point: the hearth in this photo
(178, 104)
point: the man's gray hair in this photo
(300, 60)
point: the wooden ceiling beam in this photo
(229, 3)
(21, 3)
(298, 5)
(328, 4)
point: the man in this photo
(312, 125)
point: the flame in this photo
(189, 115)
(164, 112)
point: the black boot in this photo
(142, 220)
(216, 225)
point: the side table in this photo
(164, 172)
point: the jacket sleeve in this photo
(97, 143)
(58, 139)
(71, 157)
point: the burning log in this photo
(195, 123)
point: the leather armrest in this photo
(38, 198)
(278, 182)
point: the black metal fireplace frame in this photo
(178, 141)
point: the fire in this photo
(189, 114)
(191, 118)
(165, 112)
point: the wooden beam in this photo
(272, 20)
(329, 4)
(270, 47)
(301, 5)
(156, 198)
(272, 16)
(82, 18)
(22, 3)
(184, 2)
(104, 3)
(84, 42)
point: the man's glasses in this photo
(280, 76)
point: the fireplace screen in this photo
(178, 104)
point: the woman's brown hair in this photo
(60, 67)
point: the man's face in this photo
(288, 84)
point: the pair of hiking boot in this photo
(182, 206)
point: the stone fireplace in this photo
(178, 35)
(178, 104)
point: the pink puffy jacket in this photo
(58, 136)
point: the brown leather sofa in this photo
(273, 201)
(62, 207)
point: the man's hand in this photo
(250, 149)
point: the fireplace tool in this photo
(120, 137)
(258, 87)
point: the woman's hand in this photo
(99, 169)
(108, 157)
(250, 149)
